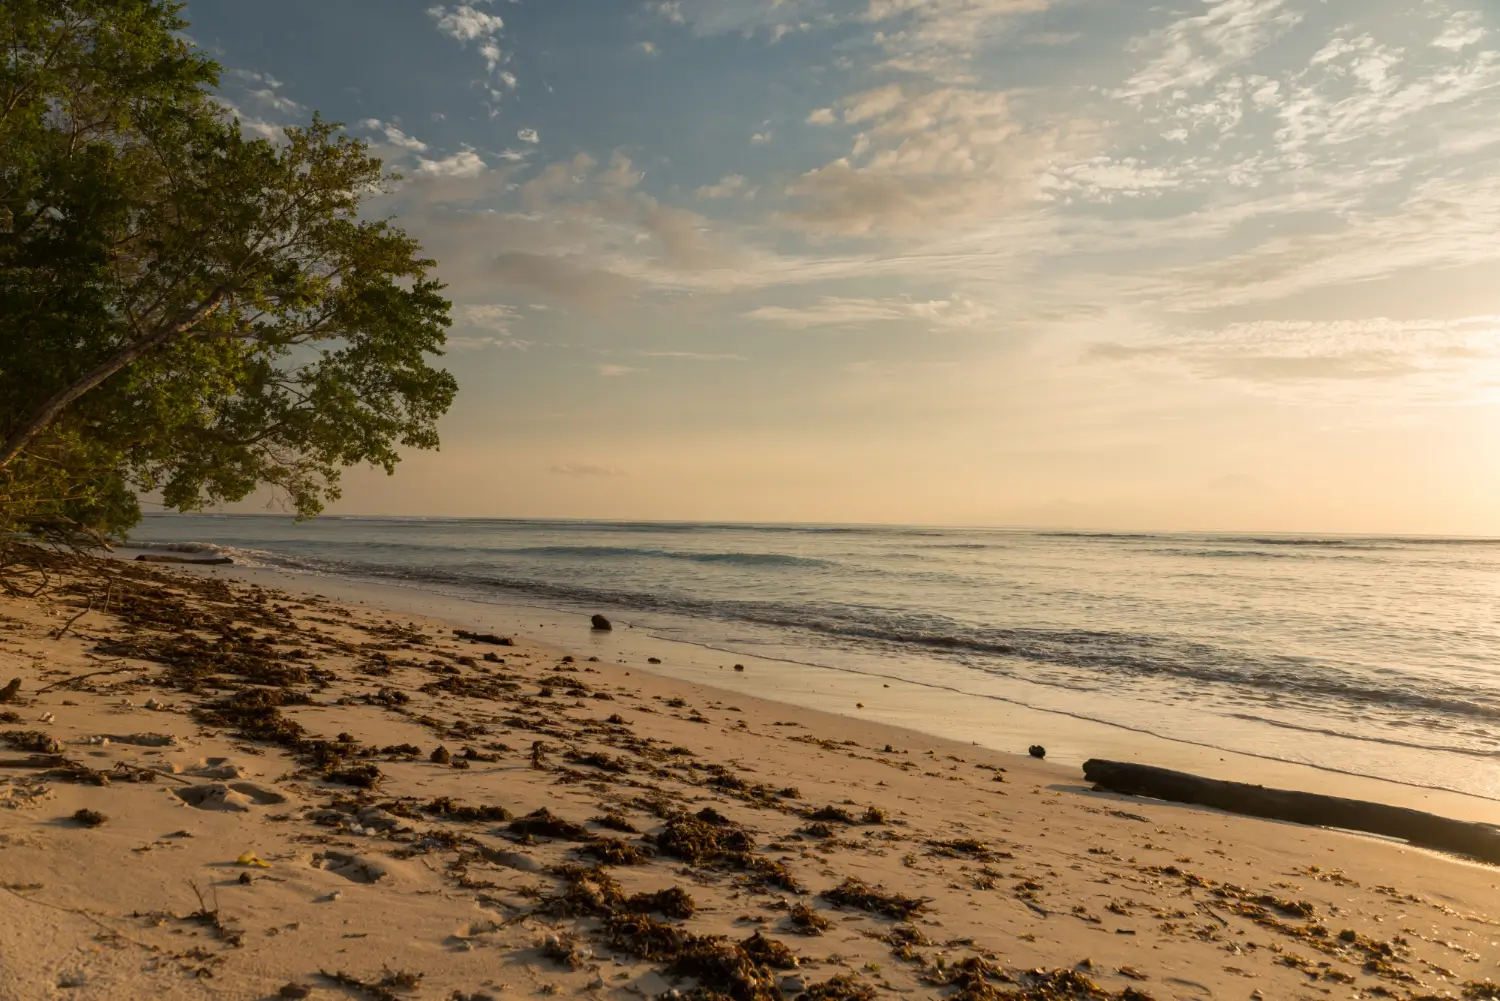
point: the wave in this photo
(1097, 654)
(626, 552)
(173, 547)
(1472, 752)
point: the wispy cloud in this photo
(587, 469)
(611, 371)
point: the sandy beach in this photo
(228, 789)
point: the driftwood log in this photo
(1425, 830)
(218, 561)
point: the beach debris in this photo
(294, 991)
(854, 892)
(1426, 830)
(544, 824)
(808, 921)
(31, 741)
(653, 660)
(739, 667)
(446, 808)
(383, 989)
(769, 952)
(252, 860)
(844, 987)
(1037, 751)
(12, 691)
(831, 814)
(441, 755)
(489, 638)
(565, 950)
(600, 623)
(89, 818)
(614, 851)
(673, 902)
(614, 822)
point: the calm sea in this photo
(1375, 656)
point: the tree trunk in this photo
(49, 411)
(1425, 830)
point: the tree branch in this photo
(59, 401)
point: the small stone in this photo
(739, 667)
(793, 985)
(294, 992)
(1037, 751)
(598, 622)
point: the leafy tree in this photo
(184, 309)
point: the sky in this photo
(1207, 264)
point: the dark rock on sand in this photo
(600, 623)
(10, 691)
(1037, 751)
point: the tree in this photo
(184, 309)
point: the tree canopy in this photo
(185, 310)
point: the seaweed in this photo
(614, 822)
(725, 968)
(587, 891)
(543, 823)
(856, 893)
(673, 902)
(769, 952)
(808, 921)
(698, 841)
(831, 814)
(844, 987)
(615, 851)
(644, 937)
(447, 809)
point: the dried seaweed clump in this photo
(543, 823)
(32, 741)
(644, 937)
(966, 848)
(808, 921)
(831, 814)
(700, 841)
(614, 822)
(586, 892)
(724, 968)
(673, 902)
(844, 987)
(447, 809)
(614, 851)
(856, 893)
(769, 952)
(1064, 985)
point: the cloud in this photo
(621, 173)
(649, 48)
(490, 316)
(1463, 29)
(1439, 361)
(822, 116)
(1195, 50)
(275, 101)
(925, 159)
(691, 356)
(566, 277)
(761, 138)
(587, 469)
(615, 371)
(835, 311)
(394, 135)
(465, 24)
(729, 186)
(528, 136)
(464, 163)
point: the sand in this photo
(302, 794)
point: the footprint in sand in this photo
(233, 797)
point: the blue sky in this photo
(1213, 263)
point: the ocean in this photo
(1373, 656)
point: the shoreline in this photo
(284, 792)
(930, 709)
